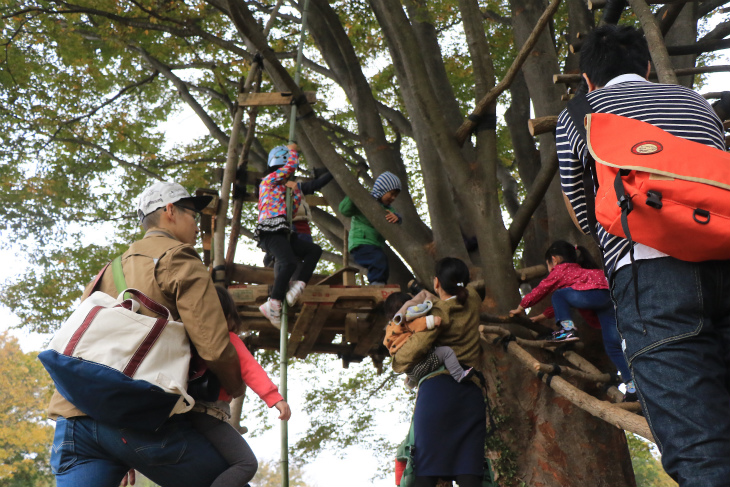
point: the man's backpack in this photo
(652, 187)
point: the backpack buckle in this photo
(624, 202)
(654, 199)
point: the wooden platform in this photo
(329, 318)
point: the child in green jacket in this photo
(365, 243)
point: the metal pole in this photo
(283, 365)
(284, 337)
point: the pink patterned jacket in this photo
(272, 191)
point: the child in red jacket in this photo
(576, 282)
(211, 418)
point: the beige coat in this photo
(459, 330)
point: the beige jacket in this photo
(459, 330)
(171, 273)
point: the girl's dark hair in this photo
(453, 275)
(229, 310)
(394, 302)
(571, 254)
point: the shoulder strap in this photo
(118, 274)
(578, 108)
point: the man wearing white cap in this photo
(165, 266)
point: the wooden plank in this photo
(317, 323)
(374, 337)
(351, 328)
(267, 99)
(301, 326)
(336, 278)
(260, 275)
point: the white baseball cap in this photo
(162, 193)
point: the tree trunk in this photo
(543, 439)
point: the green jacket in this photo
(459, 330)
(361, 231)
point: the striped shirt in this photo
(673, 108)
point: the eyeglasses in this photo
(195, 213)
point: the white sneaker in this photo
(296, 288)
(272, 312)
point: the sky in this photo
(327, 470)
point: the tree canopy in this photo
(407, 86)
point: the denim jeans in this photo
(88, 453)
(678, 348)
(373, 258)
(598, 300)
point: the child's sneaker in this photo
(296, 288)
(414, 312)
(564, 336)
(272, 312)
(466, 374)
(630, 395)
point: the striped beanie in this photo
(278, 156)
(385, 182)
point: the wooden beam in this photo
(315, 327)
(596, 4)
(269, 99)
(542, 125)
(375, 335)
(301, 327)
(530, 273)
(575, 78)
(243, 273)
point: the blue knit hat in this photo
(278, 156)
(385, 182)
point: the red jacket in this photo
(253, 375)
(572, 276)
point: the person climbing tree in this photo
(365, 243)
(295, 258)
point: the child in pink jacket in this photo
(211, 418)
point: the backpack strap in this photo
(118, 274)
(578, 108)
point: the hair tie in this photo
(576, 247)
(460, 284)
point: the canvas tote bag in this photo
(121, 367)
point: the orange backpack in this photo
(666, 192)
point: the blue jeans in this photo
(678, 349)
(88, 453)
(598, 300)
(372, 258)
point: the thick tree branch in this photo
(720, 31)
(109, 101)
(111, 155)
(182, 89)
(533, 199)
(708, 6)
(397, 119)
(468, 125)
(657, 47)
